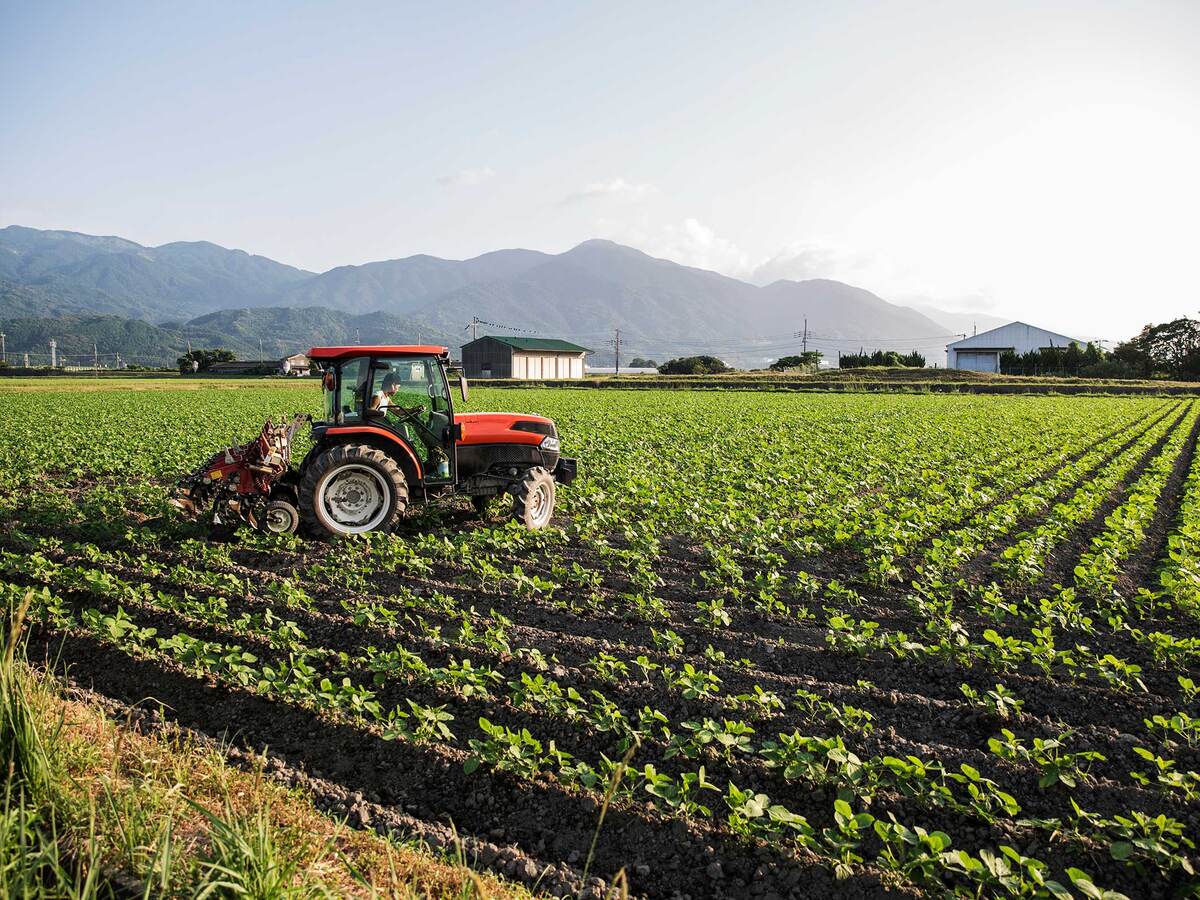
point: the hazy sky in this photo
(1036, 159)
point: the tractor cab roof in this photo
(334, 354)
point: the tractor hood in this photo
(503, 428)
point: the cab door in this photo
(409, 396)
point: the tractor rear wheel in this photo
(533, 499)
(352, 488)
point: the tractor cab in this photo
(398, 397)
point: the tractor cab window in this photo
(344, 402)
(412, 394)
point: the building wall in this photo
(538, 366)
(976, 360)
(487, 359)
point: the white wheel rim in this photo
(353, 498)
(280, 521)
(540, 504)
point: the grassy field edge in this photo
(94, 808)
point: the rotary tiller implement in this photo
(251, 483)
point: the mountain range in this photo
(149, 302)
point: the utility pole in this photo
(53, 353)
(474, 326)
(3, 348)
(261, 356)
(803, 335)
(27, 360)
(95, 360)
(616, 342)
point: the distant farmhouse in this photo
(492, 356)
(982, 352)
(297, 365)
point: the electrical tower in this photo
(616, 343)
(53, 353)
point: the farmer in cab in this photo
(408, 418)
(381, 398)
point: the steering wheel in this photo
(403, 413)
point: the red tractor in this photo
(389, 437)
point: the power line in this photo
(476, 321)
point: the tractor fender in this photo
(387, 441)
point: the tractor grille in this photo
(480, 458)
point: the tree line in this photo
(1170, 350)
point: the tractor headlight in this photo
(550, 443)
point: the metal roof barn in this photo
(981, 352)
(535, 359)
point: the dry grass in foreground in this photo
(95, 809)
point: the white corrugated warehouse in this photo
(981, 352)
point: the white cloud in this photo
(899, 280)
(799, 261)
(693, 243)
(689, 243)
(613, 188)
(468, 177)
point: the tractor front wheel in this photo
(352, 488)
(533, 499)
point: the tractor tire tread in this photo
(340, 455)
(520, 495)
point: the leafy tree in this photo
(203, 359)
(1071, 360)
(1172, 348)
(810, 359)
(639, 362)
(694, 365)
(913, 360)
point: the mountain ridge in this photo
(661, 307)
